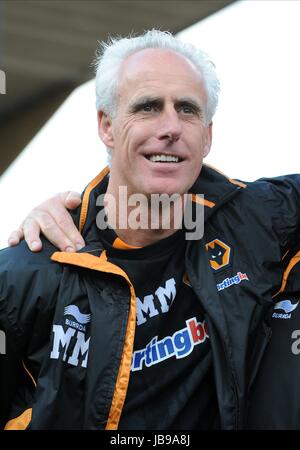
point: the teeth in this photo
(164, 158)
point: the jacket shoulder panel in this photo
(28, 285)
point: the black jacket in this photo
(274, 400)
(57, 374)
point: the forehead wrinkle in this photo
(142, 77)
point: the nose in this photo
(170, 127)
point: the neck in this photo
(141, 238)
(142, 220)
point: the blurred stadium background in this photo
(48, 135)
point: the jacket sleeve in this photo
(27, 291)
(281, 200)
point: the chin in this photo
(166, 188)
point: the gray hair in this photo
(112, 54)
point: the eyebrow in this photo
(159, 101)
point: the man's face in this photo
(159, 136)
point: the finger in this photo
(72, 199)
(15, 237)
(31, 231)
(41, 221)
(65, 222)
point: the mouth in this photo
(162, 158)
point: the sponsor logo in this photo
(285, 305)
(179, 345)
(219, 254)
(71, 342)
(73, 310)
(237, 279)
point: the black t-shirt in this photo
(171, 384)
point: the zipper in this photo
(230, 369)
(232, 373)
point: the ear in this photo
(105, 129)
(208, 140)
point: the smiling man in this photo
(160, 133)
(143, 328)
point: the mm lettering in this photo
(151, 306)
(61, 343)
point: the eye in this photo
(147, 107)
(187, 109)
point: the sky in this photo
(255, 47)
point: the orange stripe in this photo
(238, 183)
(124, 370)
(21, 422)
(118, 243)
(202, 201)
(293, 261)
(32, 379)
(231, 180)
(103, 265)
(86, 196)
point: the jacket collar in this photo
(216, 187)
